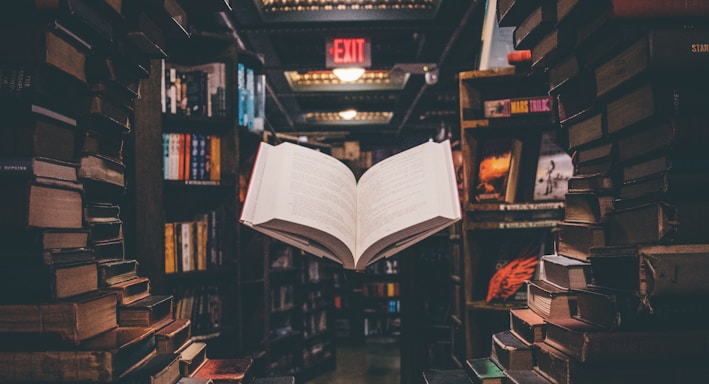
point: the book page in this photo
(302, 186)
(405, 190)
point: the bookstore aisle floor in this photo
(375, 361)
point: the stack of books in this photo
(620, 299)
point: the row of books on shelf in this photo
(380, 289)
(192, 157)
(252, 98)
(382, 307)
(194, 245)
(201, 305)
(194, 90)
(382, 326)
(315, 323)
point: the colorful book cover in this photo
(554, 168)
(497, 170)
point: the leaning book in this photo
(314, 202)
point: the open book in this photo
(313, 201)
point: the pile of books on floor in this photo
(73, 307)
(622, 300)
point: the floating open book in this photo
(313, 201)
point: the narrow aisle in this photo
(371, 362)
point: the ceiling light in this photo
(348, 114)
(348, 74)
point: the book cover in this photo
(497, 169)
(484, 370)
(225, 370)
(554, 168)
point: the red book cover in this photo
(186, 159)
(224, 370)
(660, 9)
(181, 152)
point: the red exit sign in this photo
(348, 52)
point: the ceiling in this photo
(406, 36)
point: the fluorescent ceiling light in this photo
(348, 114)
(348, 74)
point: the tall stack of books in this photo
(68, 84)
(621, 299)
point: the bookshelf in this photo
(287, 303)
(505, 217)
(186, 182)
(429, 333)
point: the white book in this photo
(313, 201)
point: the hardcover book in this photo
(160, 369)
(575, 240)
(174, 337)
(587, 207)
(550, 301)
(114, 272)
(41, 203)
(565, 272)
(681, 222)
(74, 320)
(628, 310)
(652, 269)
(192, 358)
(661, 48)
(527, 325)
(226, 371)
(38, 167)
(154, 311)
(104, 358)
(47, 283)
(132, 290)
(590, 344)
(497, 170)
(401, 200)
(484, 370)
(590, 182)
(34, 135)
(510, 352)
(38, 240)
(525, 376)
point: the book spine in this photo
(17, 166)
(194, 162)
(166, 156)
